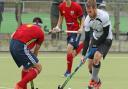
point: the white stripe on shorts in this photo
(29, 55)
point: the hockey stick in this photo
(32, 85)
(49, 32)
(90, 52)
(71, 31)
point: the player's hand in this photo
(82, 59)
(80, 30)
(56, 29)
(51, 31)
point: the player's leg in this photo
(90, 64)
(32, 65)
(94, 70)
(23, 56)
(69, 59)
(14, 47)
(71, 41)
(73, 49)
(23, 74)
(102, 51)
(77, 44)
(32, 74)
(81, 43)
(96, 65)
(79, 48)
(71, 53)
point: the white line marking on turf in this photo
(6, 88)
(65, 57)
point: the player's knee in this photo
(38, 66)
(69, 48)
(97, 65)
(97, 57)
(74, 53)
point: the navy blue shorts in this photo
(22, 55)
(74, 39)
(103, 48)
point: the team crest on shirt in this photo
(63, 12)
(72, 12)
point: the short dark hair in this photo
(91, 3)
(37, 20)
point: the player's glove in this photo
(80, 30)
(56, 29)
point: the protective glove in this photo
(56, 29)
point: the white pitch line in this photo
(38, 57)
(6, 88)
(65, 57)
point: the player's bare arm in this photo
(36, 50)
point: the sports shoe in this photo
(17, 87)
(97, 85)
(67, 74)
(91, 84)
(94, 84)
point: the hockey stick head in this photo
(59, 87)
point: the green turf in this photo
(9, 24)
(113, 72)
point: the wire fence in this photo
(47, 10)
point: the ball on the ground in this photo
(69, 88)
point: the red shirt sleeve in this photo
(79, 10)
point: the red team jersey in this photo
(29, 34)
(71, 15)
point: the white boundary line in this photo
(65, 57)
(6, 88)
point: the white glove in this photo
(56, 29)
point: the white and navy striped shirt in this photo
(97, 24)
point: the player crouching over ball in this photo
(26, 37)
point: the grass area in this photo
(113, 72)
(9, 23)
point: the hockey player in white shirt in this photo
(97, 22)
